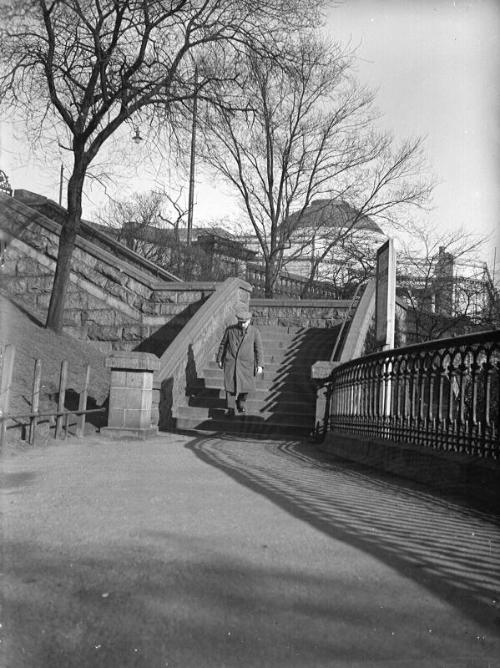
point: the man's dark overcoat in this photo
(240, 352)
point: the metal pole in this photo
(494, 266)
(61, 185)
(192, 161)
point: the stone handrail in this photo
(189, 352)
(358, 329)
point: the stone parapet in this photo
(320, 371)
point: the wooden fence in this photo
(61, 415)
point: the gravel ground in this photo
(185, 552)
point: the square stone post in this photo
(320, 371)
(131, 394)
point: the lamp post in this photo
(61, 177)
(192, 161)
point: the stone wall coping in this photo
(303, 303)
(193, 286)
(133, 361)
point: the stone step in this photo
(292, 405)
(301, 338)
(312, 351)
(244, 425)
(271, 385)
(271, 372)
(203, 413)
(272, 366)
(285, 358)
(284, 400)
(262, 395)
(271, 330)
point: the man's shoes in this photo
(231, 412)
(241, 408)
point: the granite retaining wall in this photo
(115, 304)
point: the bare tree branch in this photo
(86, 67)
(308, 133)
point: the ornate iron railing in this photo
(440, 394)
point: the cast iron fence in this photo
(441, 394)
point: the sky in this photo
(435, 66)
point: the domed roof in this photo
(331, 213)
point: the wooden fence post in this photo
(35, 401)
(82, 404)
(62, 397)
(6, 369)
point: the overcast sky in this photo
(436, 67)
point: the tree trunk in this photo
(270, 278)
(69, 232)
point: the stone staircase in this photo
(285, 397)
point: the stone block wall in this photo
(114, 304)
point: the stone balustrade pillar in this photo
(131, 392)
(320, 371)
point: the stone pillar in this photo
(320, 371)
(131, 393)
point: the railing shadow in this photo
(292, 377)
(451, 550)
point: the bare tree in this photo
(447, 290)
(142, 220)
(307, 132)
(153, 224)
(81, 69)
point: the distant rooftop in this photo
(332, 213)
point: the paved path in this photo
(215, 552)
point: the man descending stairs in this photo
(283, 403)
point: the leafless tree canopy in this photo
(82, 68)
(307, 132)
(446, 288)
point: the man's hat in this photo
(243, 314)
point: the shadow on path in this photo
(450, 550)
